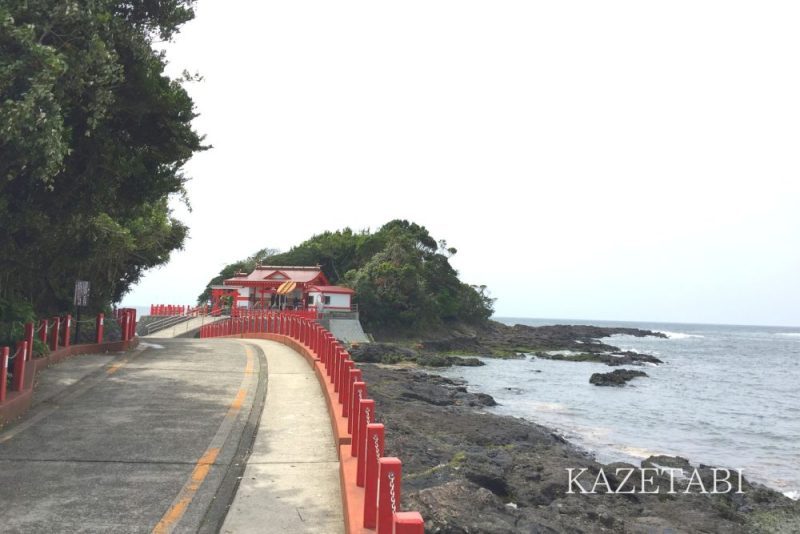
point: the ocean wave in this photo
(638, 452)
(788, 334)
(678, 335)
(794, 495)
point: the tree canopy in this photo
(93, 137)
(401, 274)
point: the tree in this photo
(402, 276)
(93, 137)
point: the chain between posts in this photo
(366, 415)
(391, 492)
(377, 449)
(16, 353)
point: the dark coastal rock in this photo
(467, 344)
(467, 471)
(510, 341)
(440, 391)
(443, 360)
(618, 377)
(390, 353)
(381, 353)
(612, 360)
(500, 340)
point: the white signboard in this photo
(81, 293)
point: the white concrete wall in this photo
(338, 300)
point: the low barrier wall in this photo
(370, 483)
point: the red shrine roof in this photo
(275, 275)
(331, 289)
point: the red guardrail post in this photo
(344, 377)
(367, 416)
(359, 392)
(43, 327)
(67, 327)
(353, 376)
(133, 323)
(29, 338)
(3, 372)
(124, 326)
(337, 361)
(54, 333)
(19, 366)
(98, 325)
(389, 486)
(408, 523)
(374, 452)
(326, 352)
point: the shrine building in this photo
(273, 287)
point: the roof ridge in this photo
(290, 267)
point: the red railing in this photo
(169, 310)
(309, 313)
(56, 333)
(379, 477)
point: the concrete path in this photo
(184, 329)
(291, 483)
(149, 441)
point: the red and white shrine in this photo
(282, 287)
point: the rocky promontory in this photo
(459, 345)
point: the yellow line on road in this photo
(114, 368)
(170, 519)
(175, 513)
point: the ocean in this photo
(727, 396)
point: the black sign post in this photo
(80, 300)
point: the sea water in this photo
(727, 396)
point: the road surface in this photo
(157, 440)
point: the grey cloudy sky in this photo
(607, 160)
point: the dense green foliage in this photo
(93, 136)
(402, 275)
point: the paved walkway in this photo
(184, 329)
(291, 482)
(155, 440)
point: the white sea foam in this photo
(793, 494)
(638, 452)
(550, 407)
(679, 335)
(789, 334)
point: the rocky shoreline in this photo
(469, 471)
(558, 342)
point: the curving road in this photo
(156, 440)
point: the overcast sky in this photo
(600, 160)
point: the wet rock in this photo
(441, 360)
(618, 377)
(381, 353)
(610, 359)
